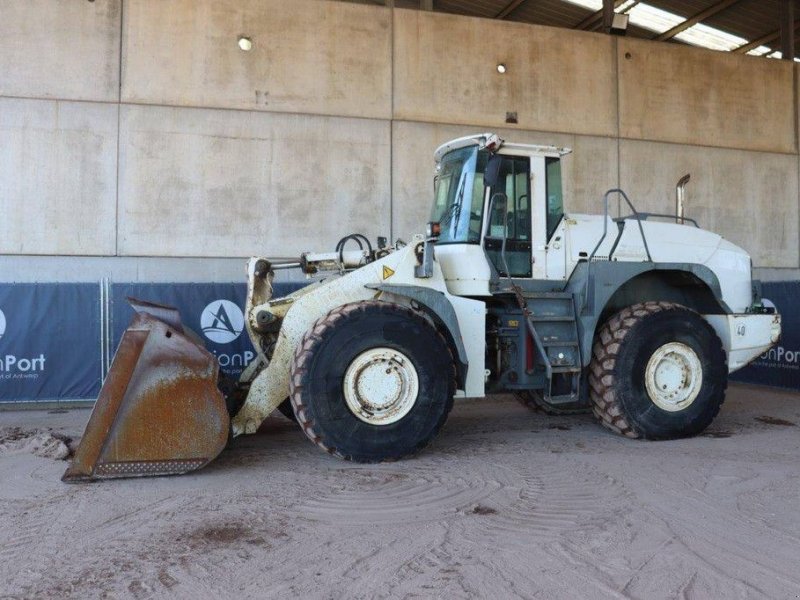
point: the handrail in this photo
(636, 215)
(638, 218)
(645, 215)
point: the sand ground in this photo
(506, 503)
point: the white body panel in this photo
(745, 337)
(466, 270)
(731, 265)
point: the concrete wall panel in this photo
(57, 177)
(588, 171)
(685, 95)
(557, 80)
(307, 57)
(202, 182)
(750, 198)
(66, 50)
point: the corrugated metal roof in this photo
(746, 19)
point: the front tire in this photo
(658, 372)
(372, 381)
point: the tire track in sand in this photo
(384, 496)
(544, 502)
(539, 499)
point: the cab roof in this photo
(484, 140)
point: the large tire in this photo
(658, 372)
(340, 367)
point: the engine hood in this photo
(667, 243)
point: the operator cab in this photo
(485, 191)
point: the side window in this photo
(514, 181)
(555, 197)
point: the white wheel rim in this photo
(381, 386)
(674, 376)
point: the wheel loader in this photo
(638, 318)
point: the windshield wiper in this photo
(454, 210)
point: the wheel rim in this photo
(674, 376)
(381, 386)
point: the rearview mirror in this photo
(491, 175)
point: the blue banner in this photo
(780, 367)
(50, 340)
(212, 310)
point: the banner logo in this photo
(222, 321)
(2, 324)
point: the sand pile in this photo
(40, 442)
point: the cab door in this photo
(511, 218)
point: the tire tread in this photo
(304, 354)
(607, 408)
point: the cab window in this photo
(555, 197)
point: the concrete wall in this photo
(446, 72)
(135, 132)
(58, 168)
(307, 57)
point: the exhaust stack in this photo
(680, 198)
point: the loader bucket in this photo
(160, 411)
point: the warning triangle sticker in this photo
(387, 272)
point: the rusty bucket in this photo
(160, 411)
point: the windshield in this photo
(458, 193)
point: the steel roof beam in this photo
(695, 19)
(764, 40)
(509, 8)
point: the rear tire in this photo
(372, 381)
(658, 372)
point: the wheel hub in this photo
(674, 376)
(381, 386)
